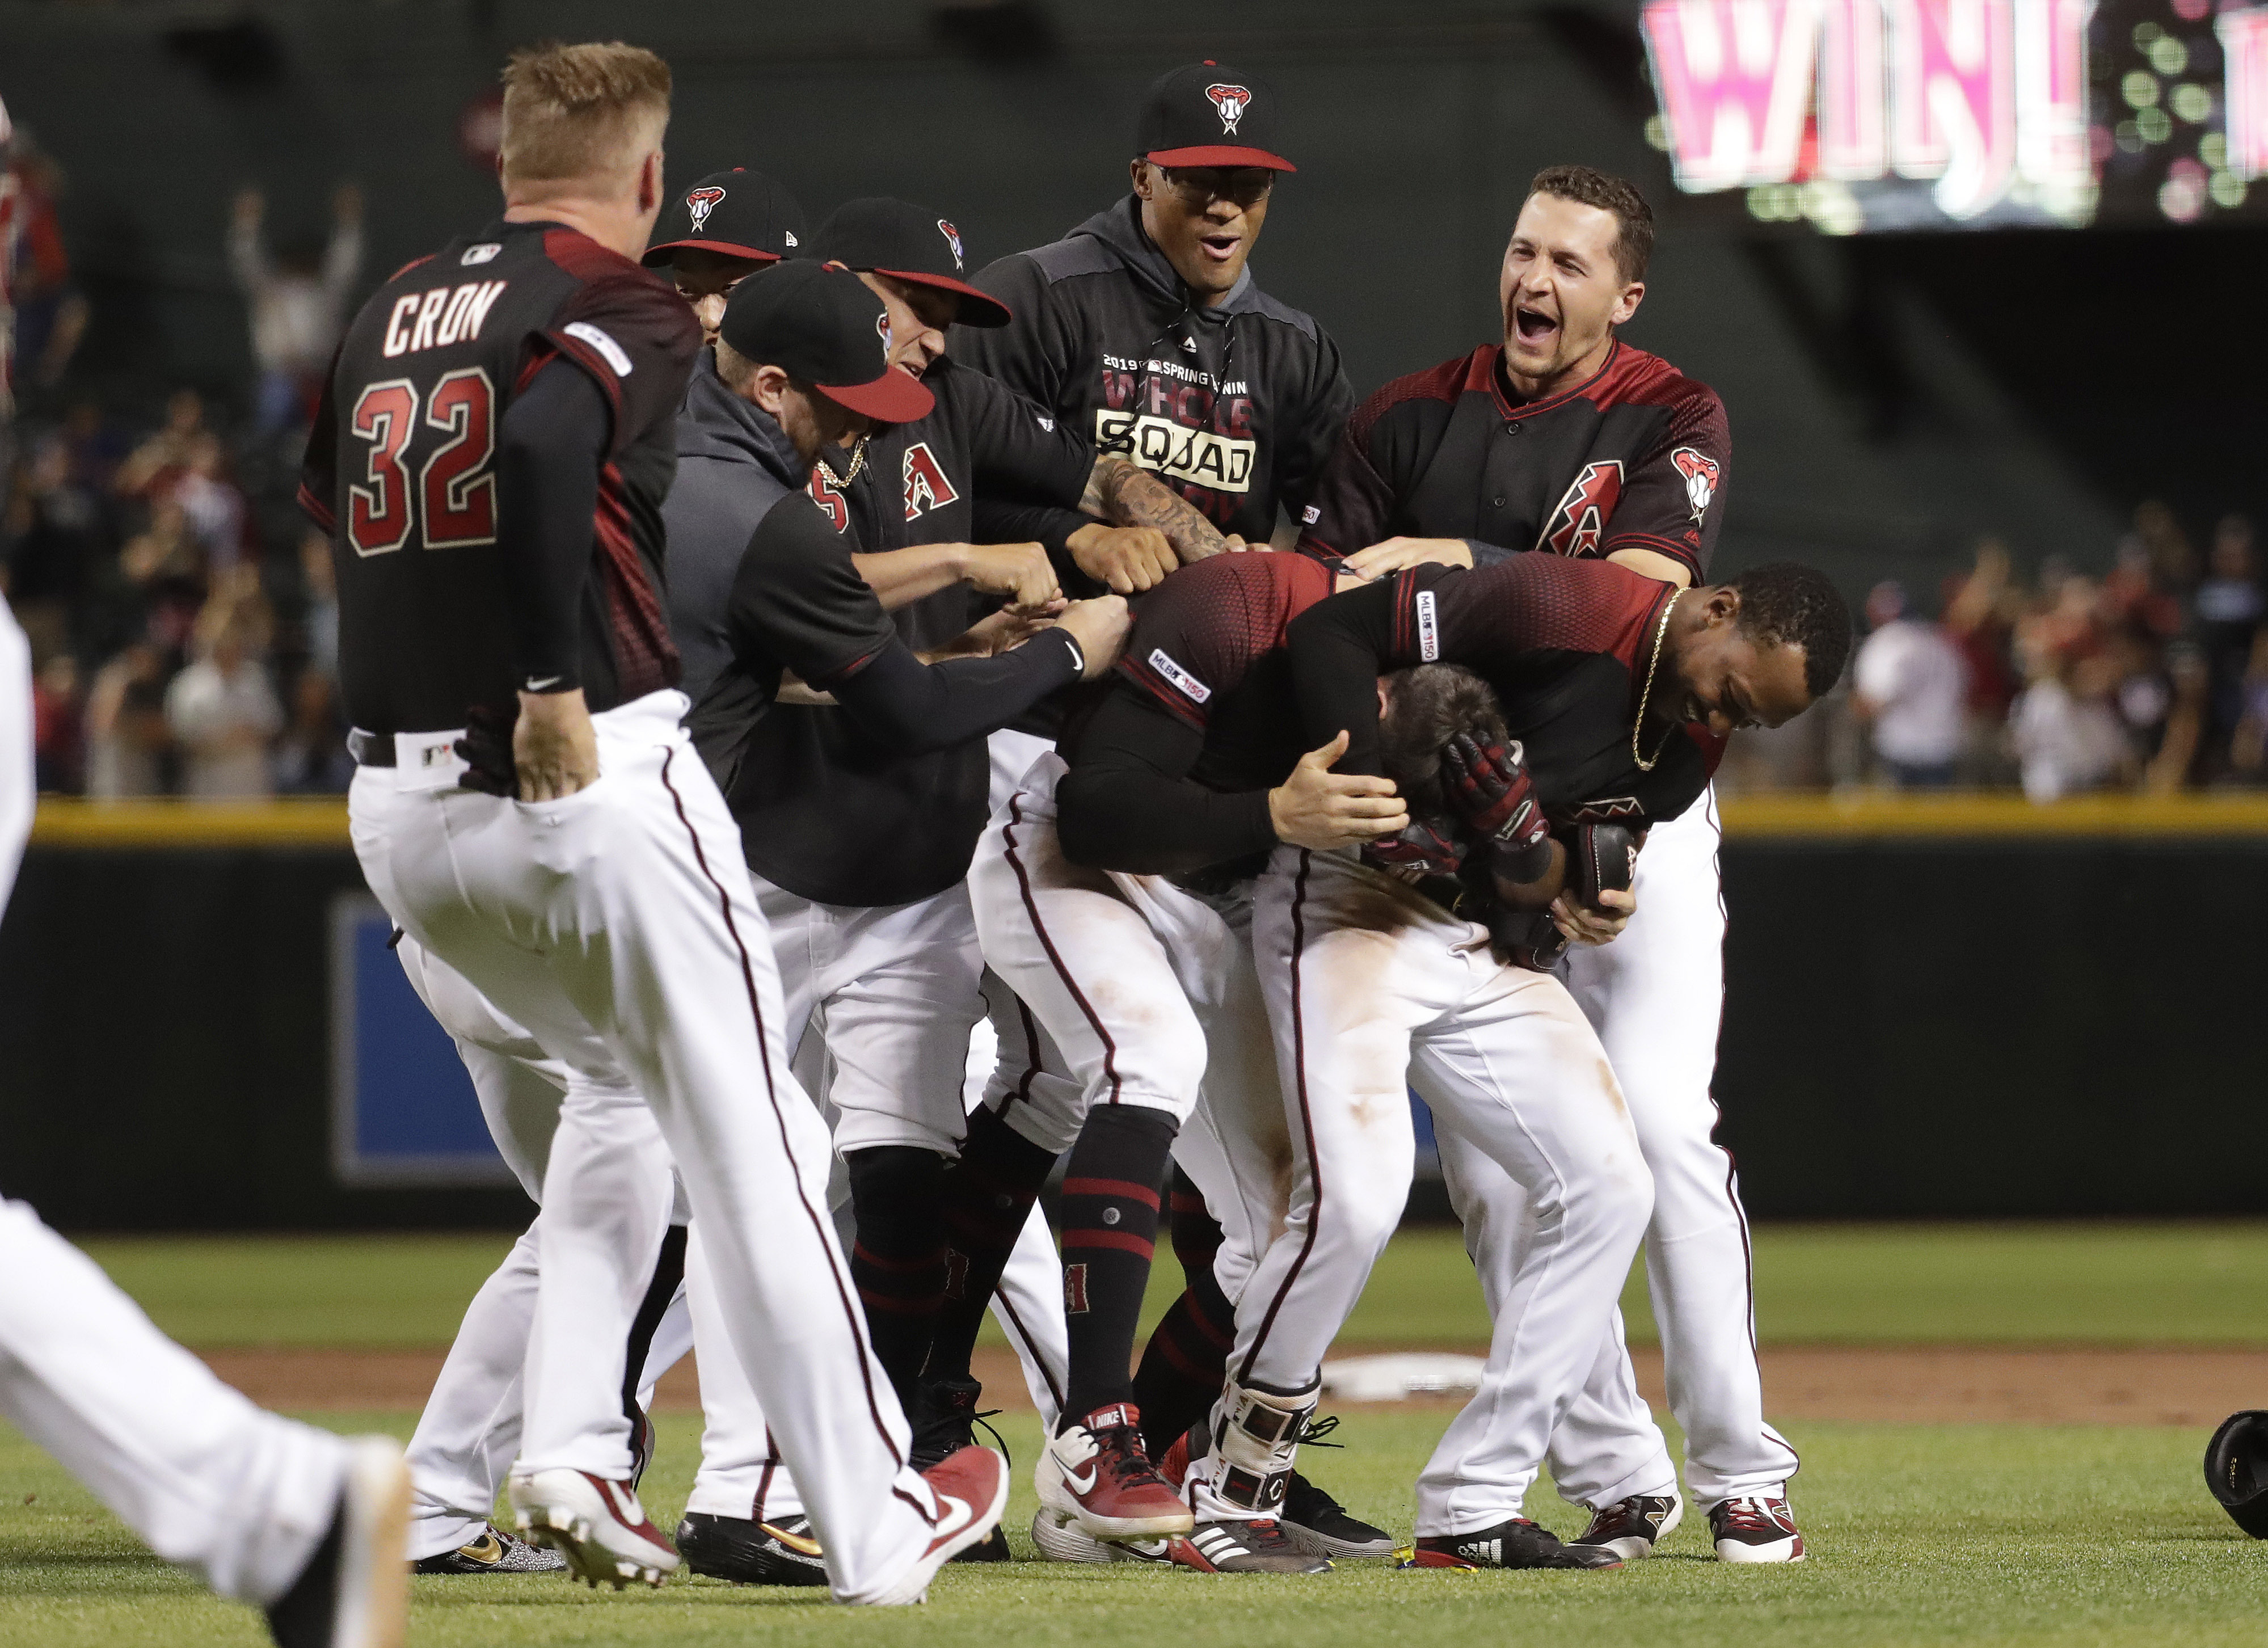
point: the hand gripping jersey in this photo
(400, 470)
(1632, 459)
(852, 820)
(1565, 645)
(1235, 406)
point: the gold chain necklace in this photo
(1660, 632)
(857, 462)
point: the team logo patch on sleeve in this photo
(612, 353)
(1429, 627)
(1580, 521)
(1701, 473)
(1188, 685)
(1229, 102)
(926, 487)
(701, 202)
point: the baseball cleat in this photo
(354, 1592)
(495, 1551)
(1259, 1545)
(780, 1553)
(1060, 1539)
(1518, 1543)
(597, 1525)
(944, 1420)
(1314, 1521)
(1094, 1472)
(1633, 1527)
(972, 1491)
(1755, 1528)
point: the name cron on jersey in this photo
(441, 317)
(1223, 462)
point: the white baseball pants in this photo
(1656, 996)
(1372, 988)
(239, 1496)
(1148, 995)
(620, 927)
(471, 1427)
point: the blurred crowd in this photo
(184, 628)
(182, 613)
(2151, 677)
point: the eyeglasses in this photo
(1198, 187)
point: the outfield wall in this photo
(1944, 1008)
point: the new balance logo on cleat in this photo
(1755, 1528)
(1630, 1528)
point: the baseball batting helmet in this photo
(2236, 1469)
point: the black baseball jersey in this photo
(1235, 406)
(1171, 766)
(1632, 459)
(400, 470)
(1566, 645)
(920, 482)
(916, 486)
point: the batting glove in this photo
(1489, 785)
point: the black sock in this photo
(898, 1264)
(988, 1195)
(1187, 1358)
(669, 1271)
(1108, 1221)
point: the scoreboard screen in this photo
(1854, 116)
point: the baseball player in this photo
(1108, 896)
(766, 577)
(710, 236)
(1146, 327)
(717, 231)
(491, 456)
(1621, 689)
(1564, 439)
(845, 828)
(303, 1524)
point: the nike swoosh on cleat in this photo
(795, 1542)
(1081, 1484)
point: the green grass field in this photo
(2196, 1284)
(1922, 1534)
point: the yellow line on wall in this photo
(166, 823)
(1887, 814)
(322, 821)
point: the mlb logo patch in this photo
(1188, 685)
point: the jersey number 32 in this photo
(455, 487)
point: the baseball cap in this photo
(907, 243)
(822, 326)
(1209, 115)
(738, 213)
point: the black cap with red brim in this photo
(823, 327)
(739, 214)
(1209, 115)
(907, 243)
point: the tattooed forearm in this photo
(1126, 495)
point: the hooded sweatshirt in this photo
(843, 805)
(1236, 406)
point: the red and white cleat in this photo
(1095, 1473)
(597, 1525)
(1755, 1528)
(971, 1485)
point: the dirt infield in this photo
(1920, 1384)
